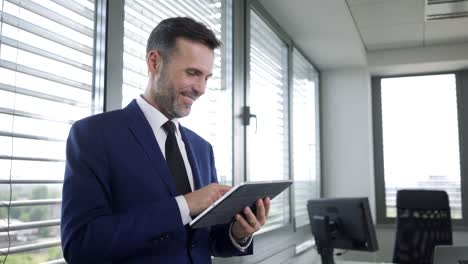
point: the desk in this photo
(358, 262)
(311, 257)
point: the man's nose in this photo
(200, 87)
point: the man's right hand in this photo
(201, 199)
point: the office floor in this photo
(311, 257)
(308, 257)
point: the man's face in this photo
(183, 78)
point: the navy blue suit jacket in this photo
(119, 197)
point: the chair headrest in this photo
(422, 199)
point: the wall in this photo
(418, 60)
(347, 163)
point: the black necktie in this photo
(174, 160)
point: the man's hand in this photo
(201, 199)
(244, 227)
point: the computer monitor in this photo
(343, 223)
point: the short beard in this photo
(165, 96)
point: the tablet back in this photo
(233, 202)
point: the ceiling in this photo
(340, 33)
(392, 24)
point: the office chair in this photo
(423, 221)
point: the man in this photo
(135, 177)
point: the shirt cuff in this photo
(240, 247)
(184, 209)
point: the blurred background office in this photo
(355, 98)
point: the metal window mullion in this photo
(29, 181)
(53, 98)
(53, 16)
(30, 225)
(44, 33)
(15, 112)
(77, 8)
(44, 75)
(30, 202)
(26, 47)
(26, 136)
(29, 247)
(8, 157)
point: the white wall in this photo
(346, 123)
(418, 60)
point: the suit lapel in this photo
(191, 158)
(141, 130)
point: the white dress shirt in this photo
(156, 120)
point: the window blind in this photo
(46, 83)
(210, 112)
(304, 146)
(268, 143)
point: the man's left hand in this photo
(251, 223)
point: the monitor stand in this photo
(323, 229)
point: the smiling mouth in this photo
(188, 98)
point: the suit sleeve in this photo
(90, 231)
(221, 244)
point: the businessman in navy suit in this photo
(124, 199)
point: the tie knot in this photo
(169, 127)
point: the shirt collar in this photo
(154, 116)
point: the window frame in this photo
(461, 79)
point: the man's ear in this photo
(153, 61)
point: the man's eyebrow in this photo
(197, 71)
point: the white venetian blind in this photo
(46, 83)
(211, 115)
(268, 142)
(304, 126)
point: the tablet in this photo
(235, 200)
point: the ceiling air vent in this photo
(444, 9)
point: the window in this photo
(305, 151)
(268, 136)
(418, 143)
(46, 83)
(210, 112)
